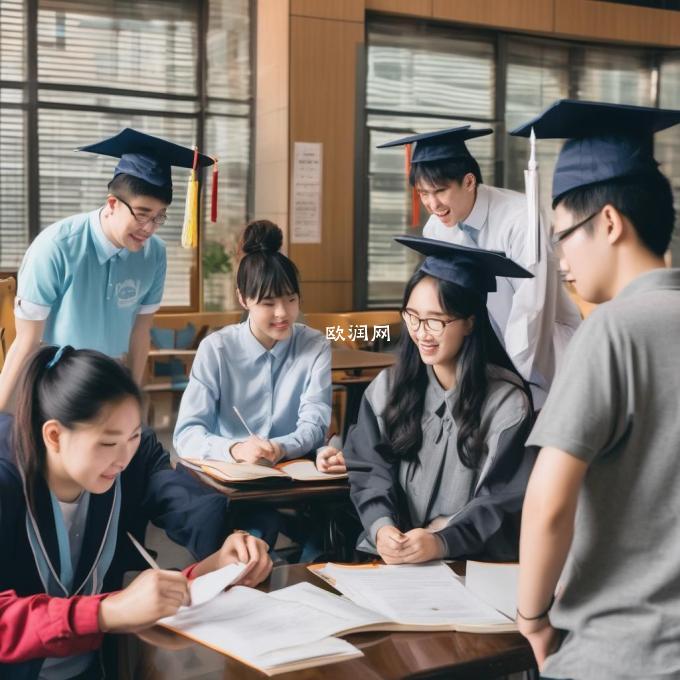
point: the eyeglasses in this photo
(434, 326)
(557, 239)
(158, 220)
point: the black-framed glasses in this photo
(434, 326)
(557, 239)
(158, 220)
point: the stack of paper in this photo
(415, 597)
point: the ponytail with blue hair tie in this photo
(57, 356)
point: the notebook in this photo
(301, 470)
(419, 597)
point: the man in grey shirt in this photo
(602, 508)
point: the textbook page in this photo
(419, 594)
(246, 624)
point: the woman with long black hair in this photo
(77, 473)
(436, 461)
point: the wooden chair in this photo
(8, 291)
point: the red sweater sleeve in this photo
(42, 626)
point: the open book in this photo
(419, 597)
(271, 634)
(301, 470)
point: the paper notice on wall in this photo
(306, 193)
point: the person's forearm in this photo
(140, 343)
(13, 369)
(545, 539)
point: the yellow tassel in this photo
(190, 226)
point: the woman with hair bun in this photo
(275, 372)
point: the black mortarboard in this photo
(147, 157)
(604, 141)
(467, 267)
(441, 145)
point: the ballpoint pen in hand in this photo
(261, 461)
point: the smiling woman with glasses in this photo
(436, 462)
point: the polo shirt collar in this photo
(479, 214)
(105, 249)
(656, 279)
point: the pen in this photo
(241, 418)
(358, 468)
(142, 551)
(262, 461)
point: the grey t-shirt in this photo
(615, 404)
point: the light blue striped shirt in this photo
(284, 394)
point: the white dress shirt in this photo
(534, 318)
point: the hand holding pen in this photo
(255, 449)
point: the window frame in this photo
(501, 39)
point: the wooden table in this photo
(391, 656)
(357, 360)
(341, 359)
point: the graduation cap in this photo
(146, 157)
(441, 145)
(467, 267)
(604, 141)
(151, 159)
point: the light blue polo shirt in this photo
(88, 291)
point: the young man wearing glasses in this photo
(95, 280)
(602, 505)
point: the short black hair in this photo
(128, 187)
(645, 199)
(438, 173)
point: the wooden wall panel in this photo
(343, 10)
(324, 58)
(326, 296)
(527, 15)
(416, 8)
(272, 112)
(620, 23)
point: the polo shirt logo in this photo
(127, 292)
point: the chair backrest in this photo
(178, 325)
(333, 325)
(8, 291)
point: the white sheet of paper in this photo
(419, 594)
(306, 471)
(346, 613)
(206, 587)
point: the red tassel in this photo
(415, 199)
(213, 197)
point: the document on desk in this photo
(415, 597)
(302, 470)
(272, 635)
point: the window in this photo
(82, 71)
(423, 77)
